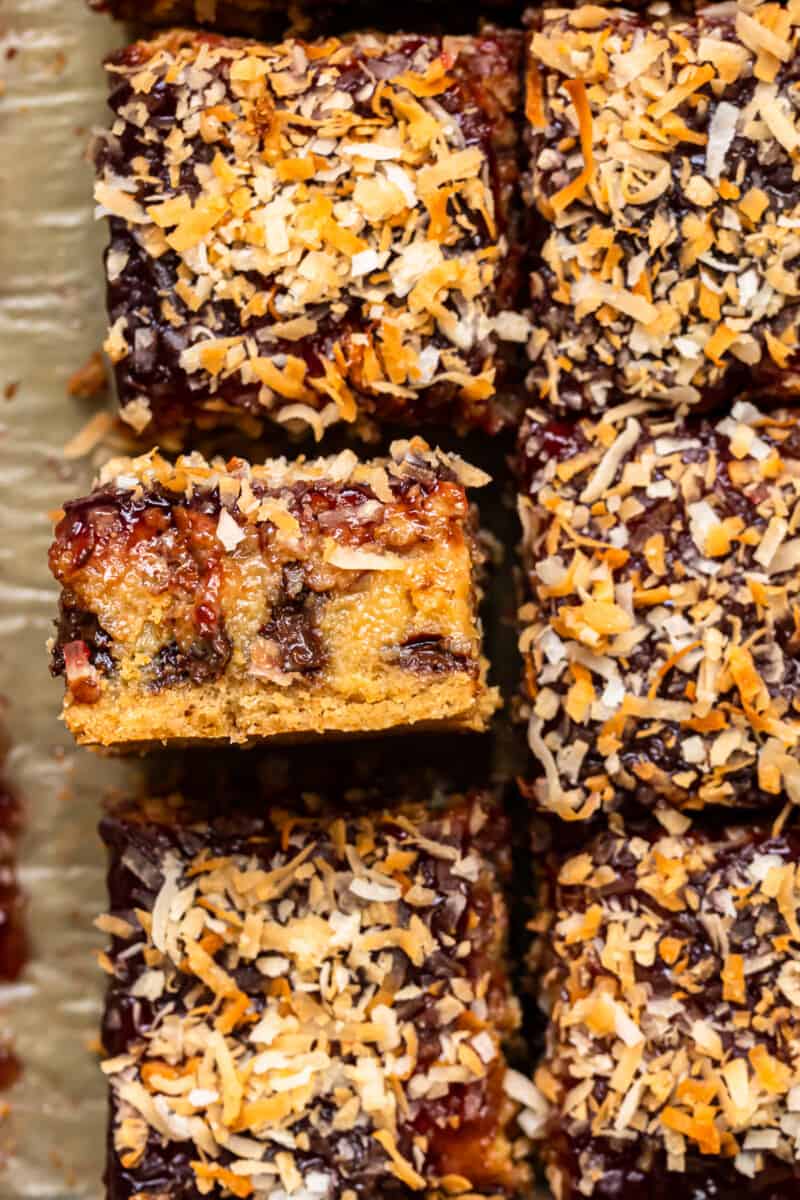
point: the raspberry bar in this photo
(219, 601)
(251, 16)
(672, 1050)
(311, 233)
(237, 15)
(313, 1008)
(661, 636)
(663, 168)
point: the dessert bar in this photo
(311, 232)
(219, 601)
(673, 1044)
(238, 15)
(663, 172)
(661, 630)
(252, 16)
(309, 1008)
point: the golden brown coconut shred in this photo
(665, 164)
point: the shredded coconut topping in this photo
(313, 221)
(326, 996)
(674, 1043)
(661, 633)
(665, 158)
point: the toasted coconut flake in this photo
(229, 531)
(721, 131)
(348, 558)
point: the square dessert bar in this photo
(672, 1061)
(661, 637)
(311, 232)
(664, 169)
(310, 1008)
(219, 601)
(251, 16)
(238, 15)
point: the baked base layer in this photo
(130, 718)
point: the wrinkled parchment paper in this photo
(51, 320)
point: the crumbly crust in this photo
(310, 232)
(660, 640)
(672, 1064)
(311, 1007)
(228, 602)
(664, 161)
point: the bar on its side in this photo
(660, 634)
(240, 16)
(223, 602)
(312, 1008)
(672, 1062)
(664, 170)
(312, 232)
(254, 16)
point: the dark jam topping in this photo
(540, 442)
(109, 514)
(14, 945)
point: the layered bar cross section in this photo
(223, 602)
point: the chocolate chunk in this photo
(75, 624)
(204, 661)
(293, 627)
(430, 654)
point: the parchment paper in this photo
(51, 320)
